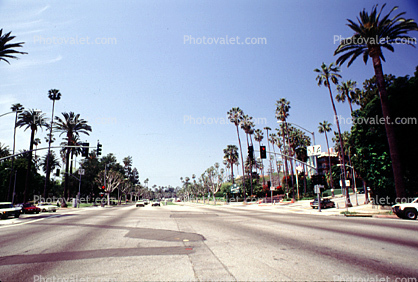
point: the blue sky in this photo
(145, 90)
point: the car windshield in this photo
(6, 206)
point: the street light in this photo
(16, 108)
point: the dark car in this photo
(325, 203)
(29, 208)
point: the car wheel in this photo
(410, 214)
(17, 215)
(54, 210)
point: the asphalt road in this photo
(202, 243)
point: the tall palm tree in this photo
(268, 144)
(72, 125)
(325, 74)
(373, 33)
(6, 48)
(282, 113)
(54, 95)
(347, 91)
(34, 120)
(247, 125)
(235, 116)
(17, 108)
(325, 127)
(231, 156)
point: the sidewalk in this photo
(303, 206)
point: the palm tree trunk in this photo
(29, 167)
(390, 129)
(347, 192)
(10, 193)
(329, 164)
(232, 174)
(242, 164)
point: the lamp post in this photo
(54, 95)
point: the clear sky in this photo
(136, 72)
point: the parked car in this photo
(140, 203)
(29, 208)
(406, 210)
(156, 203)
(7, 209)
(45, 207)
(325, 203)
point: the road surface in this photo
(204, 243)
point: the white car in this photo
(407, 210)
(45, 207)
(7, 209)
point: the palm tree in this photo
(235, 116)
(17, 108)
(72, 125)
(231, 156)
(247, 125)
(34, 120)
(325, 74)
(53, 95)
(371, 34)
(282, 113)
(347, 91)
(53, 161)
(325, 127)
(6, 49)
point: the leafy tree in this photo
(231, 156)
(372, 33)
(371, 156)
(114, 179)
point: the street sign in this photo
(347, 183)
(318, 188)
(81, 171)
(272, 188)
(314, 150)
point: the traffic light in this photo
(85, 149)
(99, 149)
(251, 152)
(103, 187)
(263, 153)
